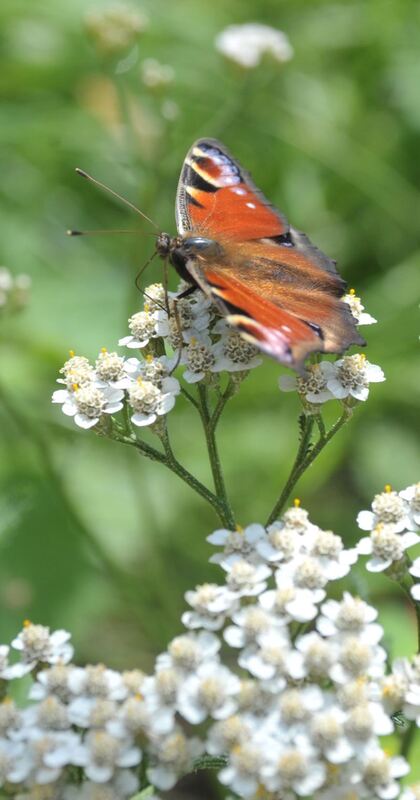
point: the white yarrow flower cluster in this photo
(247, 44)
(310, 704)
(193, 336)
(286, 687)
(392, 523)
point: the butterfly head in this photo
(165, 244)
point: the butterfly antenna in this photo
(97, 233)
(103, 186)
(139, 274)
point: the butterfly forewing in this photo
(216, 195)
(269, 280)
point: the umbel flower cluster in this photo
(190, 334)
(285, 691)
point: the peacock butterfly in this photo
(269, 281)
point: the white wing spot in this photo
(251, 205)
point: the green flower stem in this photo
(216, 467)
(168, 459)
(223, 399)
(305, 457)
(408, 739)
(406, 583)
(190, 398)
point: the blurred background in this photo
(92, 538)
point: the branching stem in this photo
(305, 457)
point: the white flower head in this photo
(233, 352)
(209, 692)
(313, 657)
(244, 578)
(378, 773)
(350, 377)
(101, 754)
(280, 544)
(415, 572)
(412, 496)
(109, 369)
(97, 681)
(251, 622)
(200, 358)
(314, 386)
(385, 546)
(87, 403)
(328, 550)
(172, 756)
(77, 371)
(148, 401)
(357, 309)
(246, 44)
(243, 773)
(294, 767)
(38, 646)
(358, 659)
(227, 734)
(240, 543)
(268, 659)
(123, 786)
(152, 369)
(388, 508)
(211, 604)
(143, 326)
(189, 318)
(351, 615)
(307, 578)
(185, 653)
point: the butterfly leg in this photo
(187, 292)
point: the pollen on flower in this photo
(72, 353)
(239, 529)
(388, 488)
(296, 502)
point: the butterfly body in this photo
(267, 279)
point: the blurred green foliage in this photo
(92, 538)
